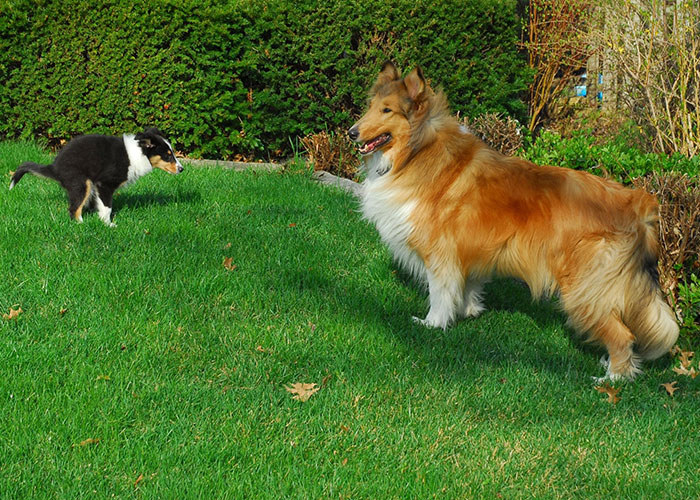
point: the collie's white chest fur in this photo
(138, 162)
(392, 217)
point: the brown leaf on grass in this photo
(104, 377)
(14, 314)
(138, 480)
(682, 370)
(228, 264)
(670, 387)
(685, 357)
(610, 391)
(88, 441)
(293, 224)
(63, 311)
(302, 392)
(675, 350)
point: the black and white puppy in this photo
(92, 167)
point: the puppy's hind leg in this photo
(79, 193)
(446, 296)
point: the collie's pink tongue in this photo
(370, 146)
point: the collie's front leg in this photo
(473, 298)
(446, 295)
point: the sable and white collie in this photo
(455, 212)
(91, 167)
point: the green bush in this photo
(241, 77)
(614, 159)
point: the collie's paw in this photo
(428, 323)
(473, 310)
(625, 373)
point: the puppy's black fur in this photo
(92, 167)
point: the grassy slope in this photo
(178, 366)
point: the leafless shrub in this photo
(679, 199)
(501, 133)
(653, 49)
(332, 152)
(557, 47)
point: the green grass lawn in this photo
(142, 367)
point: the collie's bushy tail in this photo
(652, 319)
(35, 168)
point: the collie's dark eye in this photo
(386, 110)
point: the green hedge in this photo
(614, 158)
(241, 77)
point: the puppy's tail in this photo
(653, 319)
(35, 168)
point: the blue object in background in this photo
(580, 90)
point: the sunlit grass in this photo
(142, 367)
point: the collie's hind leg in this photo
(618, 340)
(446, 295)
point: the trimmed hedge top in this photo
(241, 77)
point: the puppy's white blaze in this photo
(138, 162)
(177, 162)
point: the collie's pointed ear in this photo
(415, 83)
(389, 73)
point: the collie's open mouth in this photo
(370, 146)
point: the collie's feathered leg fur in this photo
(473, 298)
(446, 291)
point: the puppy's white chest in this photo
(138, 162)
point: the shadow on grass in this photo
(530, 336)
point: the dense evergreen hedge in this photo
(241, 76)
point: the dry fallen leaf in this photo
(89, 441)
(670, 387)
(138, 480)
(610, 391)
(302, 392)
(14, 313)
(228, 263)
(104, 377)
(293, 224)
(63, 311)
(685, 357)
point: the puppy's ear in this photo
(415, 84)
(389, 73)
(152, 131)
(148, 137)
(144, 139)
